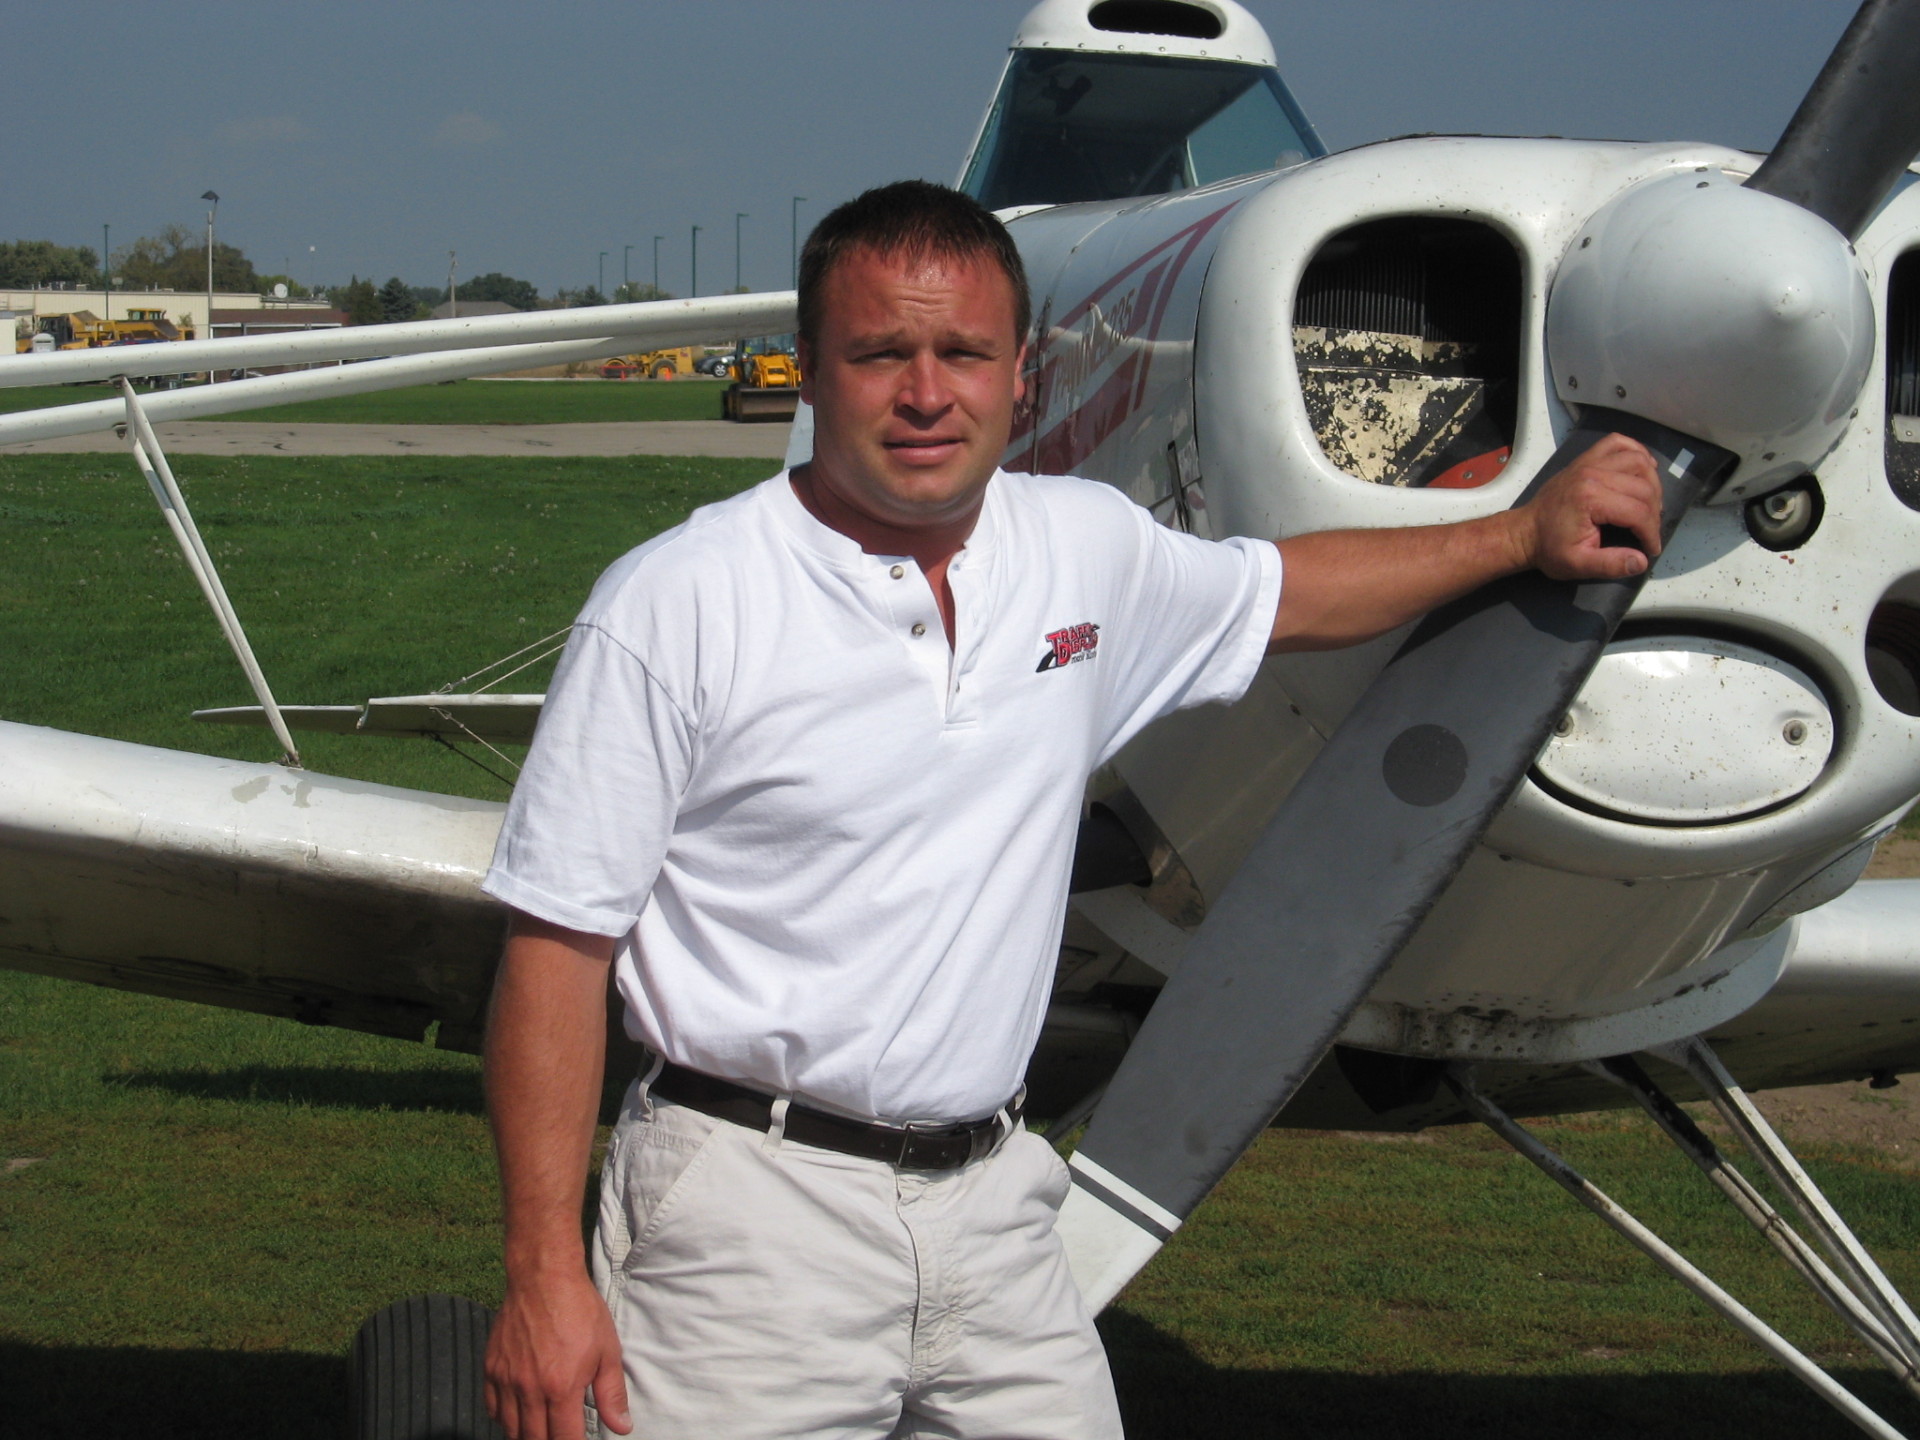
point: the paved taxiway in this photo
(719, 438)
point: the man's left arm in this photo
(1340, 587)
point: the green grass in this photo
(355, 577)
(463, 402)
(218, 1199)
(1443, 1286)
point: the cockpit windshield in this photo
(1068, 126)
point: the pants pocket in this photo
(656, 1159)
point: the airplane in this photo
(1553, 848)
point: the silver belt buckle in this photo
(915, 1130)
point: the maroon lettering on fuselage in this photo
(1112, 330)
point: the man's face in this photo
(913, 378)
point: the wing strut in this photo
(152, 461)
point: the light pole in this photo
(738, 217)
(213, 205)
(626, 280)
(796, 240)
(656, 267)
(601, 288)
(106, 272)
(453, 288)
(693, 277)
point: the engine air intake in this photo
(1903, 379)
(1893, 654)
(1156, 17)
(1407, 336)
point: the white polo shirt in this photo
(835, 852)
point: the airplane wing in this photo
(259, 887)
(247, 885)
(418, 353)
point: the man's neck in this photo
(932, 546)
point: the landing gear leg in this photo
(1868, 1318)
(1460, 1080)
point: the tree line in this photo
(365, 303)
(176, 259)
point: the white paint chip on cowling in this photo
(1686, 730)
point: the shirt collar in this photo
(837, 549)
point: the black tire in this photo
(664, 370)
(417, 1373)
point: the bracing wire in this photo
(560, 635)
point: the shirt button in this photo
(919, 629)
(897, 571)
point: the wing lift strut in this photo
(1846, 1279)
(152, 461)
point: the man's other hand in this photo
(1616, 483)
(550, 1342)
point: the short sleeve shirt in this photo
(834, 851)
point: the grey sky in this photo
(531, 138)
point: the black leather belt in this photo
(911, 1147)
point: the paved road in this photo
(632, 437)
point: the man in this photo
(800, 780)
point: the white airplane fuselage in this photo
(1731, 763)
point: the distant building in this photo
(275, 320)
(185, 309)
(470, 308)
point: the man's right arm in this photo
(546, 1042)
(1344, 586)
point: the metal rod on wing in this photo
(1863, 1275)
(659, 322)
(1460, 1081)
(152, 461)
(58, 420)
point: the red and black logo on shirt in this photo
(1070, 644)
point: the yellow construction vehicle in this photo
(651, 364)
(766, 380)
(83, 330)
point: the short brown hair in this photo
(914, 218)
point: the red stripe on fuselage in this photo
(1090, 423)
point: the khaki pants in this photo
(770, 1289)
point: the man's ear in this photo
(803, 352)
(1020, 374)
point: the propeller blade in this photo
(1858, 128)
(1356, 856)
